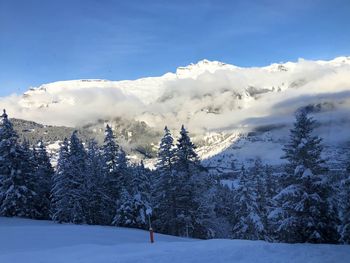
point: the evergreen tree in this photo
(77, 160)
(304, 214)
(125, 213)
(270, 192)
(60, 194)
(28, 171)
(204, 224)
(249, 224)
(345, 230)
(16, 195)
(259, 178)
(123, 171)
(112, 178)
(69, 184)
(142, 194)
(225, 214)
(135, 201)
(97, 196)
(43, 180)
(190, 184)
(163, 192)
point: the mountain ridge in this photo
(219, 103)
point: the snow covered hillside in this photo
(27, 241)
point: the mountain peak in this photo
(193, 70)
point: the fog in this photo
(216, 98)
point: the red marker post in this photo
(151, 234)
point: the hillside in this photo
(27, 241)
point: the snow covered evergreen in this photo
(69, 192)
(17, 195)
(191, 183)
(112, 177)
(97, 198)
(345, 229)
(164, 192)
(303, 213)
(43, 180)
(99, 185)
(249, 222)
(135, 199)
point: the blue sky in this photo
(45, 41)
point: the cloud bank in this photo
(208, 96)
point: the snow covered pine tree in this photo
(163, 193)
(191, 184)
(112, 177)
(69, 192)
(345, 229)
(249, 222)
(303, 213)
(17, 196)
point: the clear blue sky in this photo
(45, 41)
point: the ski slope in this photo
(29, 241)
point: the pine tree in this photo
(97, 196)
(112, 178)
(78, 189)
(43, 180)
(123, 171)
(163, 194)
(142, 194)
(60, 194)
(259, 178)
(135, 201)
(204, 209)
(345, 229)
(304, 214)
(28, 157)
(249, 224)
(190, 184)
(125, 213)
(270, 192)
(224, 210)
(69, 192)
(15, 180)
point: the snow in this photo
(231, 184)
(213, 99)
(28, 241)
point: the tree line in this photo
(93, 184)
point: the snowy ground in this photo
(31, 241)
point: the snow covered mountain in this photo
(230, 110)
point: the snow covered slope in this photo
(28, 241)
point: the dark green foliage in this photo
(163, 191)
(69, 192)
(304, 213)
(17, 195)
(43, 177)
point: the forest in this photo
(97, 184)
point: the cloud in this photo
(216, 98)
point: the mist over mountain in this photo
(223, 106)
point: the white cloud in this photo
(210, 97)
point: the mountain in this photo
(232, 112)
